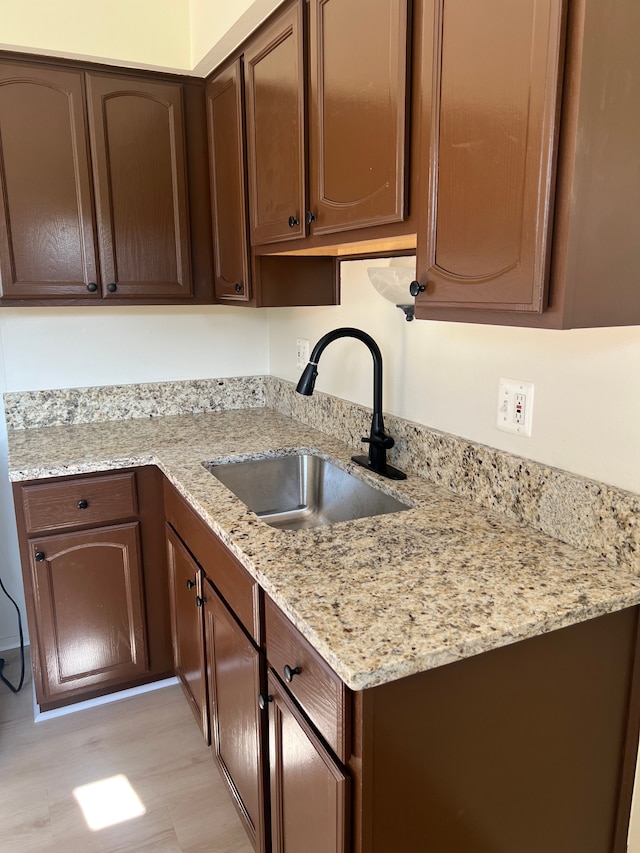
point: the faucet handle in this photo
(379, 440)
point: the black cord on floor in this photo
(2, 661)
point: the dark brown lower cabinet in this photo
(528, 748)
(94, 569)
(309, 790)
(187, 627)
(238, 729)
(89, 599)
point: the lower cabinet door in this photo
(238, 734)
(309, 790)
(90, 610)
(187, 627)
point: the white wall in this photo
(75, 347)
(218, 27)
(186, 36)
(147, 33)
(587, 382)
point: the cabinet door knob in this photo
(293, 222)
(262, 701)
(83, 504)
(290, 672)
(415, 288)
(92, 287)
(112, 287)
(190, 584)
(311, 217)
(239, 288)
(39, 556)
(199, 601)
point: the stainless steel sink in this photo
(302, 490)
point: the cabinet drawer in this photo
(235, 585)
(79, 501)
(318, 690)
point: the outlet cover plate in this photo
(515, 407)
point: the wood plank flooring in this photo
(150, 739)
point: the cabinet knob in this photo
(83, 504)
(293, 222)
(92, 287)
(39, 556)
(199, 601)
(415, 288)
(262, 701)
(311, 217)
(239, 288)
(190, 584)
(290, 672)
(112, 287)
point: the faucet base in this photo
(389, 471)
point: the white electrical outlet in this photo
(302, 353)
(515, 406)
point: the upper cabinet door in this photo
(274, 68)
(138, 147)
(358, 112)
(228, 189)
(491, 98)
(46, 207)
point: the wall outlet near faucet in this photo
(515, 407)
(302, 352)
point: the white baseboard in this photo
(10, 644)
(39, 716)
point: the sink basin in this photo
(302, 490)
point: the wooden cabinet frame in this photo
(270, 115)
(140, 599)
(104, 234)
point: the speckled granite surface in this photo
(379, 598)
(31, 409)
(581, 512)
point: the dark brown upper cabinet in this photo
(357, 113)
(96, 196)
(137, 140)
(47, 242)
(227, 169)
(357, 118)
(275, 86)
(530, 172)
(490, 107)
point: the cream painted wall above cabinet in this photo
(218, 27)
(147, 33)
(445, 375)
(186, 36)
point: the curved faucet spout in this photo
(378, 440)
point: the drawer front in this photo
(79, 501)
(316, 687)
(232, 581)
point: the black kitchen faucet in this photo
(378, 440)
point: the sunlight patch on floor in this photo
(108, 802)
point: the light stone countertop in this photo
(379, 598)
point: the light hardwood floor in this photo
(151, 739)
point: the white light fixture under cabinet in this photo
(393, 282)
